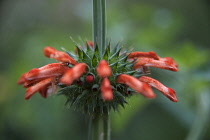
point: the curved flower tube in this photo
(58, 55)
(50, 70)
(155, 63)
(135, 84)
(33, 89)
(151, 54)
(73, 74)
(168, 92)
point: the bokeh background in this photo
(179, 29)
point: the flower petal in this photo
(58, 55)
(22, 79)
(68, 77)
(32, 90)
(168, 92)
(50, 70)
(103, 69)
(135, 84)
(73, 73)
(151, 54)
(48, 90)
(29, 83)
(106, 90)
(169, 60)
(49, 51)
(43, 91)
(154, 63)
(79, 69)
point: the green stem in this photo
(99, 24)
(99, 127)
(94, 128)
(106, 123)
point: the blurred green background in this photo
(179, 29)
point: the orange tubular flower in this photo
(79, 69)
(168, 92)
(106, 90)
(39, 79)
(33, 89)
(44, 91)
(155, 63)
(135, 84)
(150, 54)
(169, 60)
(103, 69)
(68, 77)
(73, 74)
(47, 77)
(21, 80)
(29, 83)
(50, 70)
(58, 55)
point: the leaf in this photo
(122, 65)
(96, 51)
(117, 47)
(95, 86)
(79, 51)
(101, 106)
(107, 52)
(74, 41)
(124, 59)
(130, 72)
(66, 90)
(89, 49)
(94, 61)
(86, 59)
(118, 94)
(115, 63)
(108, 48)
(81, 95)
(106, 55)
(71, 55)
(130, 65)
(116, 54)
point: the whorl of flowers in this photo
(95, 84)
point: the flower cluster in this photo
(95, 83)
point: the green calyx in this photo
(84, 95)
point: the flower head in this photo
(94, 83)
